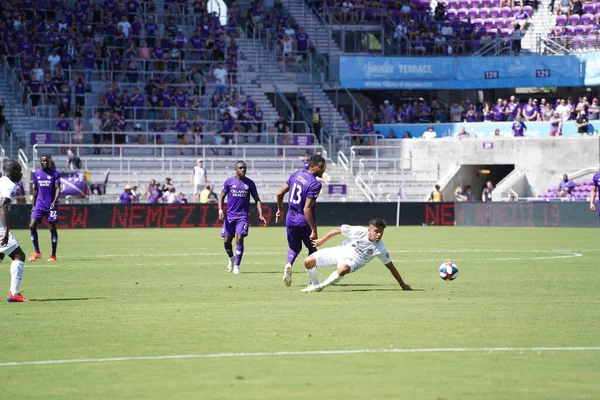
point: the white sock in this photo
(333, 278)
(312, 274)
(16, 274)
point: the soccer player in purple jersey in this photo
(46, 192)
(300, 223)
(596, 184)
(238, 190)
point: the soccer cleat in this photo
(312, 288)
(16, 298)
(34, 256)
(287, 275)
(51, 259)
(236, 270)
(230, 264)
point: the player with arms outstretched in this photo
(238, 190)
(300, 223)
(362, 246)
(46, 192)
(8, 243)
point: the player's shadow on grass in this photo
(381, 290)
(71, 299)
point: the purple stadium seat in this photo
(587, 29)
(574, 20)
(579, 30)
(451, 14)
(509, 22)
(476, 3)
(477, 22)
(505, 32)
(589, 8)
(463, 3)
(452, 4)
(500, 23)
(515, 10)
(587, 19)
(484, 12)
(462, 13)
(493, 32)
(473, 13)
(489, 23)
(505, 12)
(561, 20)
(528, 10)
(570, 30)
(596, 16)
(577, 42)
(486, 3)
(494, 12)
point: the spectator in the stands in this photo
(519, 128)
(556, 124)
(582, 123)
(456, 112)
(566, 186)
(73, 161)
(126, 197)
(486, 194)
(429, 133)
(459, 196)
(469, 193)
(594, 110)
(462, 134)
(436, 195)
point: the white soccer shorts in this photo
(198, 188)
(334, 257)
(11, 245)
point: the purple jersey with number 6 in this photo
(303, 185)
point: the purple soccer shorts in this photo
(231, 227)
(38, 215)
(296, 235)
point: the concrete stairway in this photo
(331, 117)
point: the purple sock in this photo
(34, 239)
(54, 239)
(228, 249)
(291, 256)
(239, 252)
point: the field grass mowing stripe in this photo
(303, 353)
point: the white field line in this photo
(551, 254)
(303, 353)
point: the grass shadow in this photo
(70, 299)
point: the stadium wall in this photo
(86, 216)
(502, 214)
(543, 160)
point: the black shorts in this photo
(35, 100)
(107, 137)
(180, 136)
(120, 138)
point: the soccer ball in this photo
(448, 271)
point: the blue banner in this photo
(439, 73)
(481, 129)
(393, 72)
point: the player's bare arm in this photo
(221, 198)
(280, 195)
(329, 235)
(308, 214)
(57, 192)
(397, 276)
(34, 195)
(4, 203)
(593, 198)
(259, 209)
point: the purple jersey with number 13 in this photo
(303, 185)
(238, 197)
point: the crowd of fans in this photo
(164, 193)
(577, 24)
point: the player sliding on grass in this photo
(8, 243)
(300, 223)
(238, 189)
(46, 192)
(362, 245)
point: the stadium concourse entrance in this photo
(478, 174)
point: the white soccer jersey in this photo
(8, 189)
(358, 247)
(199, 175)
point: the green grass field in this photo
(164, 292)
